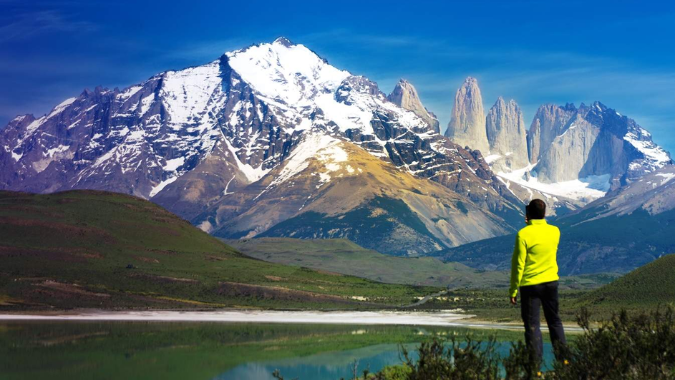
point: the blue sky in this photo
(619, 52)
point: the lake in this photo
(207, 350)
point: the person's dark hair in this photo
(536, 209)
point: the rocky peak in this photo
(467, 122)
(283, 41)
(349, 90)
(405, 96)
(506, 134)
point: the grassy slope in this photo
(73, 249)
(645, 287)
(346, 257)
(641, 290)
(482, 293)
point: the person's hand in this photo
(513, 300)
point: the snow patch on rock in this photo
(583, 189)
(155, 190)
(656, 156)
(173, 164)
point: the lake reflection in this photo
(332, 365)
(140, 350)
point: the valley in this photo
(331, 190)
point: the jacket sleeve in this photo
(517, 264)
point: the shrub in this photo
(639, 348)
(471, 359)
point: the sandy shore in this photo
(441, 318)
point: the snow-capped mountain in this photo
(570, 156)
(592, 141)
(653, 193)
(214, 141)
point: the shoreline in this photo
(446, 318)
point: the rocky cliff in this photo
(405, 96)
(593, 141)
(467, 121)
(570, 156)
(507, 136)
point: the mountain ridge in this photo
(569, 156)
(197, 138)
(215, 142)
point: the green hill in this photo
(645, 287)
(346, 257)
(613, 244)
(106, 250)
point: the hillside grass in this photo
(647, 287)
(104, 250)
(479, 292)
(346, 257)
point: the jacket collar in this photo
(536, 222)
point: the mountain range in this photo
(569, 156)
(629, 227)
(271, 140)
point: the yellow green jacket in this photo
(534, 255)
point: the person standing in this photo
(534, 270)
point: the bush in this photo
(640, 348)
(471, 359)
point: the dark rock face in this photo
(548, 122)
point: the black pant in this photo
(546, 295)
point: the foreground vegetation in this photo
(91, 249)
(624, 347)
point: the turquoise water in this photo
(335, 365)
(143, 350)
